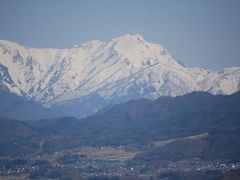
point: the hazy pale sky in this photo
(203, 33)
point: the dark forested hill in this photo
(143, 122)
(17, 107)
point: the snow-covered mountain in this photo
(89, 76)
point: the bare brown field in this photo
(164, 143)
(15, 177)
(108, 153)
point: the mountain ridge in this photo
(95, 74)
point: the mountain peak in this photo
(130, 37)
(138, 36)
